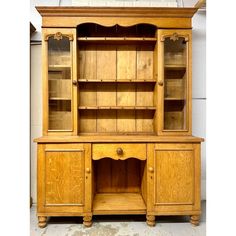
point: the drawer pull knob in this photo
(160, 83)
(119, 151)
(151, 170)
(87, 170)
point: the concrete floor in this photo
(118, 226)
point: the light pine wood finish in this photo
(119, 139)
(108, 16)
(200, 4)
(174, 117)
(64, 179)
(131, 203)
(42, 221)
(120, 176)
(117, 135)
(68, 117)
(119, 151)
(174, 178)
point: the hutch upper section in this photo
(116, 71)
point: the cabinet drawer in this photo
(119, 151)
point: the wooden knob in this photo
(87, 170)
(151, 170)
(119, 151)
(160, 83)
(74, 82)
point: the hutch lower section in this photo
(103, 178)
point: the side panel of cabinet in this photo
(174, 82)
(62, 180)
(59, 70)
(175, 179)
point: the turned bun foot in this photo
(194, 220)
(150, 220)
(42, 221)
(87, 221)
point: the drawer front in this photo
(119, 151)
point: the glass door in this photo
(174, 78)
(59, 82)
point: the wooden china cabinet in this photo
(117, 106)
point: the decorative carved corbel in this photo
(174, 37)
(59, 36)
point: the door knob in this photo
(74, 82)
(151, 170)
(160, 82)
(87, 170)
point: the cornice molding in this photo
(165, 12)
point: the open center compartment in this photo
(117, 73)
(119, 186)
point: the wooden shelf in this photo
(56, 67)
(173, 99)
(175, 67)
(58, 99)
(117, 107)
(118, 81)
(116, 39)
(113, 134)
(59, 79)
(118, 203)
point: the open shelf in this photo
(92, 30)
(114, 63)
(117, 107)
(57, 67)
(126, 40)
(106, 134)
(55, 98)
(175, 67)
(119, 185)
(174, 99)
(118, 81)
(105, 202)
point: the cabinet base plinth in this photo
(194, 220)
(87, 221)
(42, 221)
(150, 220)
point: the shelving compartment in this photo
(60, 117)
(117, 79)
(116, 108)
(175, 81)
(59, 85)
(88, 30)
(119, 186)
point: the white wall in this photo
(199, 86)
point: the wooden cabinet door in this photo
(175, 178)
(59, 73)
(62, 180)
(174, 82)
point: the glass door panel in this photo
(175, 83)
(59, 83)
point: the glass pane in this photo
(59, 84)
(175, 84)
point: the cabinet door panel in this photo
(174, 177)
(59, 70)
(64, 177)
(174, 82)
